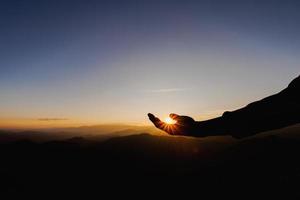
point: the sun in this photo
(169, 120)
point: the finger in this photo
(156, 121)
(174, 116)
(179, 118)
(152, 117)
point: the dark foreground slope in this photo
(265, 166)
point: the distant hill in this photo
(288, 132)
(266, 165)
(98, 132)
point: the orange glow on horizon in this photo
(41, 123)
(68, 121)
(23, 123)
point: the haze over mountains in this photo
(103, 132)
(97, 132)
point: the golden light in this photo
(169, 120)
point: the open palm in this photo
(184, 125)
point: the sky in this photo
(66, 63)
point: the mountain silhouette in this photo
(139, 162)
(78, 161)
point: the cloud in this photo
(167, 90)
(52, 119)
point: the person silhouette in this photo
(273, 112)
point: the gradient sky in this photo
(84, 62)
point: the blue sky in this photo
(115, 61)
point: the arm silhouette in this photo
(273, 112)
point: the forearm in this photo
(273, 112)
(212, 127)
(221, 127)
(241, 125)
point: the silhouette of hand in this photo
(184, 125)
